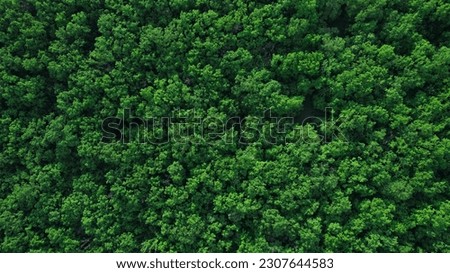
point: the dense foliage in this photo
(380, 183)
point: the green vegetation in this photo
(376, 180)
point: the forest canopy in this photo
(359, 91)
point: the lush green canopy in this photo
(375, 178)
